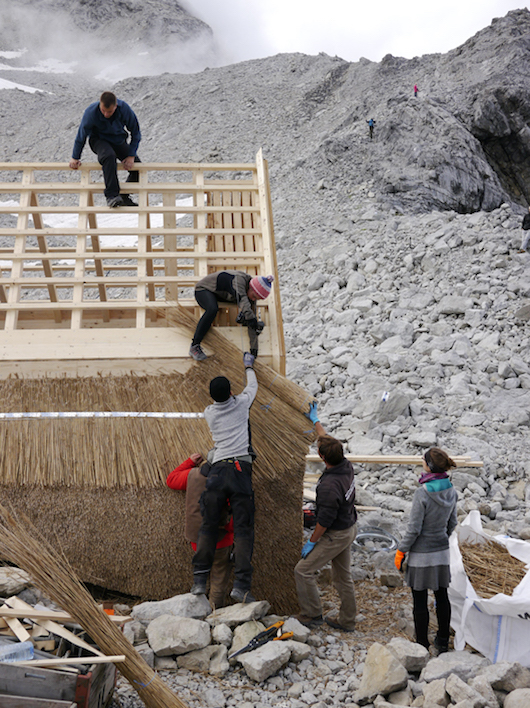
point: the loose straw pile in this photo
(21, 544)
(491, 569)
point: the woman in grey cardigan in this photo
(426, 540)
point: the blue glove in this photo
(313, 413)
(248, 360)
(308, 547)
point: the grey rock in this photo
(413, 656)
(147, 654)
(519, 698)
(170, 635)
(383, 674)
(506, 676)
(222, 634)
(239, 613)
(460, 691)
(188, 605)
(13, 581)
(265, 660)
(434, 693)
(461, 663)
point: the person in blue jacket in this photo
(107, 124)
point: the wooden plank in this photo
(125, 231)
(270, 264)
(140, 166)
(20, 246)
(28, 702)
(8, 612)
(73, 661)
(41, 240)
(398, 460)
(53, 627)
(169, 209)
(71, 254)
(98, 263)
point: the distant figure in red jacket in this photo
(415, 90)
(191, 478)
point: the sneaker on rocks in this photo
(197, 353)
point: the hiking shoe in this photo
(198, 589)
(240, 595)
(197, 353)
(332, 622)
(127, 201)
(114, 202)
(309, 621)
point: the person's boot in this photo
(240, 595)
(441, 645)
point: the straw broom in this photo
(21, 544)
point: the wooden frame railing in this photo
(80, 281)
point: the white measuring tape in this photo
(94, 414)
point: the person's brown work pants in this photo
(220, 576)
(334, 546)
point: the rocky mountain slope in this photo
(406, 305)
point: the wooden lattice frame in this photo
(70, 300)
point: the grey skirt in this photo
(428, 578)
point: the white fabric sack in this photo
(498, 628)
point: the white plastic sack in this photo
(498, 628)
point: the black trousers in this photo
(107, 154)
(208, 301)
(226, 481)
(421, 615)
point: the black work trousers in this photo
(208, 301)
(230, 480)
(420, 612)
(107, 154)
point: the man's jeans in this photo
(107, 154)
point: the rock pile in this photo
(319, 668)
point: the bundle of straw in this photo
(22, 544)
(280, 430)
(491, 569)
(224, 352)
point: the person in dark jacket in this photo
(107, 123)
(190, 476)
(432, 521)
(332, 537)
(230, 286)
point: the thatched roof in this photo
(98, 486)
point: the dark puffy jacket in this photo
(336, 497)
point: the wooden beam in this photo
(73, 661)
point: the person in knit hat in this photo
(230, 286)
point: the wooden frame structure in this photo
(82, 286)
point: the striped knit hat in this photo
(261, 285)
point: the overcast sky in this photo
(248, 29)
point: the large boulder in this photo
(383, 674)
(170, 635)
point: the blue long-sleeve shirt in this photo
(115, 129)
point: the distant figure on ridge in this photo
(371, 124)
(230, 286)
(525, 236)
(415, 90)
(107, 124)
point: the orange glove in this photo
(398, 559)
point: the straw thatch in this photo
(21, 543)
(97, 486)
(491, 569)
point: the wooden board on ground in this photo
(27, 702)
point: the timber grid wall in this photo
(81, 284)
